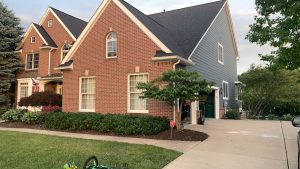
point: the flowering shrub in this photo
(47, 109)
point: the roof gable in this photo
(71, 24)
(74, 24)
(45, 35)
(189, 25)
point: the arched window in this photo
(111, 45)
(65, 50)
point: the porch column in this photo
(194, 108)
(42, 86)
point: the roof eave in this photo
(174, 58)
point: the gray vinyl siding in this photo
(206, 62)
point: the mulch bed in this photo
(184, 135)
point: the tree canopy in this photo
(10, 36)
(172, 85)
(278, 25)
(271, 92)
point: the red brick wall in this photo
(134, 49)
(59, 36)
(29, 47)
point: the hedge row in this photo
(42, 99)
(118, 124)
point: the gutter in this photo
(174, 107)
(176, 58)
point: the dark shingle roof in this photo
(74, 24)
(45, 35)
(181, 29)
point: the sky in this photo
(242, 12)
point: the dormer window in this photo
(111, 45)
(65, 50)
(32, 39)
(50, 23)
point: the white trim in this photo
(106, 45)
(97, 15)
(45, 16)
(80, 95)
(86, 30)
(217, 101)
(231, 27)
(225, 82)
(222, 57)
(128, 94)
(65, 68)
(50, 23)
(50, 78)
(32, 39)
(33, 59)
(27, 33)
(25, 80)
(176, 58)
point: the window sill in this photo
(111, 57)
(87, 110)
(222, 63)
(225, 98)
(138, 111)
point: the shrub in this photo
(118, 124)
(48, 109)
(32, 117)
(42, 99)
(13, 115)
(287, 117)
(232, 115)
(271, 116)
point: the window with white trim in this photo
(65, 50)
(136, 104)
(220, 54)
(238, 92)
(87, 94)
(50, 23)
(24, 90)
(32, 61)
(225, 90)
(111, 45)
(32, 39)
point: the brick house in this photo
(43, 48)
(121, 46)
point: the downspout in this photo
(49, 62)
(174, 107)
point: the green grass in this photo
(31, 151)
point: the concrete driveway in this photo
(246, 144)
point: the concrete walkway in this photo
(181, 146)
(242, 144)
(245, 144)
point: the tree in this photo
(10, 36)
(173, 85)
(278, 24)
(271, 92)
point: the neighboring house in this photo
(121, 46)
(43, 48)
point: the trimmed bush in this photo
(42, 99)
(32, 117)
(118, 124)
(232, 115)
(13, 115)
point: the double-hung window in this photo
(111, 45)
(225, 90)
(87, 94)
(220, 54)
(136, 104)
(24, 90)
(32, 61)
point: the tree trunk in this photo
(178, 121)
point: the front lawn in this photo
(31, 151)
